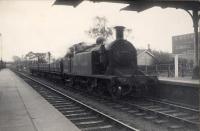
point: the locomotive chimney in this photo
(119, 32)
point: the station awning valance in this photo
(141, 5)
(68, 2)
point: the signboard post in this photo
(176, 65)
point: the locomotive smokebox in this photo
(119, 32)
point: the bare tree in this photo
(162, 57)
(100, 28)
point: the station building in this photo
(145, 57)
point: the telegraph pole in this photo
(1, 46)
(49, 57)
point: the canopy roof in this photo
(68, 2)
(141, 5)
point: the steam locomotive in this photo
(102, 68)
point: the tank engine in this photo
(104, 68)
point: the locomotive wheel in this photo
(91, 85)
(76, 85)
(100, 91)
(90, 88)
(116, 92)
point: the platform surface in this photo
(183, 80)
(23, 109)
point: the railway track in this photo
(175, 118)
(86, 118)
(172, 116)
(169, 115)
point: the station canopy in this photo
(141, 5)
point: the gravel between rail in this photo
(136, 118)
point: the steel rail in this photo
(75, 100)
(160, 113)
(174, 105)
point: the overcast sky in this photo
(36, 25)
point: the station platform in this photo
(23, 109)
(180, 80)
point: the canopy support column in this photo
(195, 18)
(196, 45)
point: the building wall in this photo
(145, 59)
